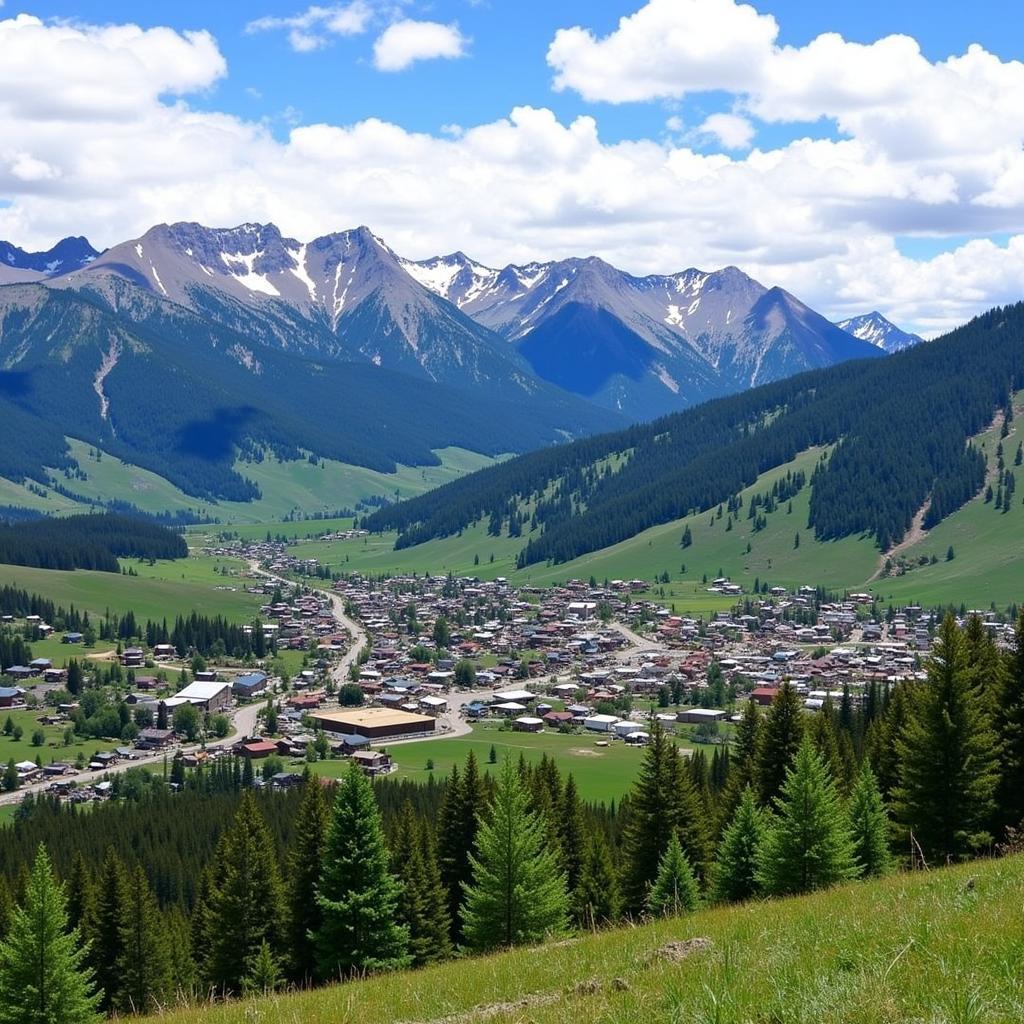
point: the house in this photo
(19, 672)
(27, 770)
(207, 696)
(8, 695)
(40, 665)
(373, 762)
(701, 716)
(133, 657)
(154, 739)
(249, 685)
(72, 638)
(600, 723)
(558, 718)
(257, 749)
(528, 724)
(375, 723)
(764, 695)
(164, 651)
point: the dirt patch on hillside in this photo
(584, 752)
(682, 949)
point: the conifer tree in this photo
(247, 904)
(947, 758)
(144, 966)
(1009, 722)
(81, 896)
(304, 875)
(780, 739)
(423, 908)
(6, 906)
(459, 820)
(735, 874)
(663, 802)
(572, 834)
(869, 825)
(106, 939)
(808, 845)
(43, 975)
(357, 894)
(675, 888)
(263, 973)
(200, 924)
(596, 899)
(518, 892)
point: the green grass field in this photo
(53, 748)
(939, 947)
(163, 590)
(286, 487)
(601, 773)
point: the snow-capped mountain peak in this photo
(879, 331)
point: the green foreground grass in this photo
(941, 947)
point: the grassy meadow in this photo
(938, 947)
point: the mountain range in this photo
(241, 319)
(642, 346)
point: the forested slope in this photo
(900, 428)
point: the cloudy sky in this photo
(862, 154)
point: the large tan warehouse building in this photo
(373, 723)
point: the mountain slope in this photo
(67, 255)
(689, 336)
(175, 392)
(879, 331)
(341, 296)
(900, 431)
(864, 953)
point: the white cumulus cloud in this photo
(405, 42)
(312, 28)
(731, 130)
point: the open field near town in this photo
(941, 946)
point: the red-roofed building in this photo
(764, 695)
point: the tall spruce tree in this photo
(247, 904)
(144, 966)
(596, 900)
(572, 834)
(808, 844)
(869, 824)
(423, 908)
(675, 888)
(663, 803)
(947, 758)
(357, 894)
(735, 874)
(1009, 722)
(44, 978)
(106, 939)
(304, 875)
(465, 796)
(81, 895)
(518, 892)
(779, 741)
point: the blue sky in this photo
(856, 169)
(506, 65)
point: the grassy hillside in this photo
(286, 487)
(160, 591)
(943, 947)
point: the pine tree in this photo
(779, 741)
(247, 905)
(263, 972)
(81, 896)
(423, 908)
(808, 845)
(518, 893)
(304, 875)
(663, 802)
(735, 875)
(947, 753)
(144, 966)
(464, 797)
(675, 888)
(572, 834)
(869, 825)
(1009, 724)
(358, 895)
(43, 975)
(105, 939)
(596, 900)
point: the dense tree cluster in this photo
(87, 542)
(900, 428)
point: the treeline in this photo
(87, 542)
(900, 427)
(308, 887)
